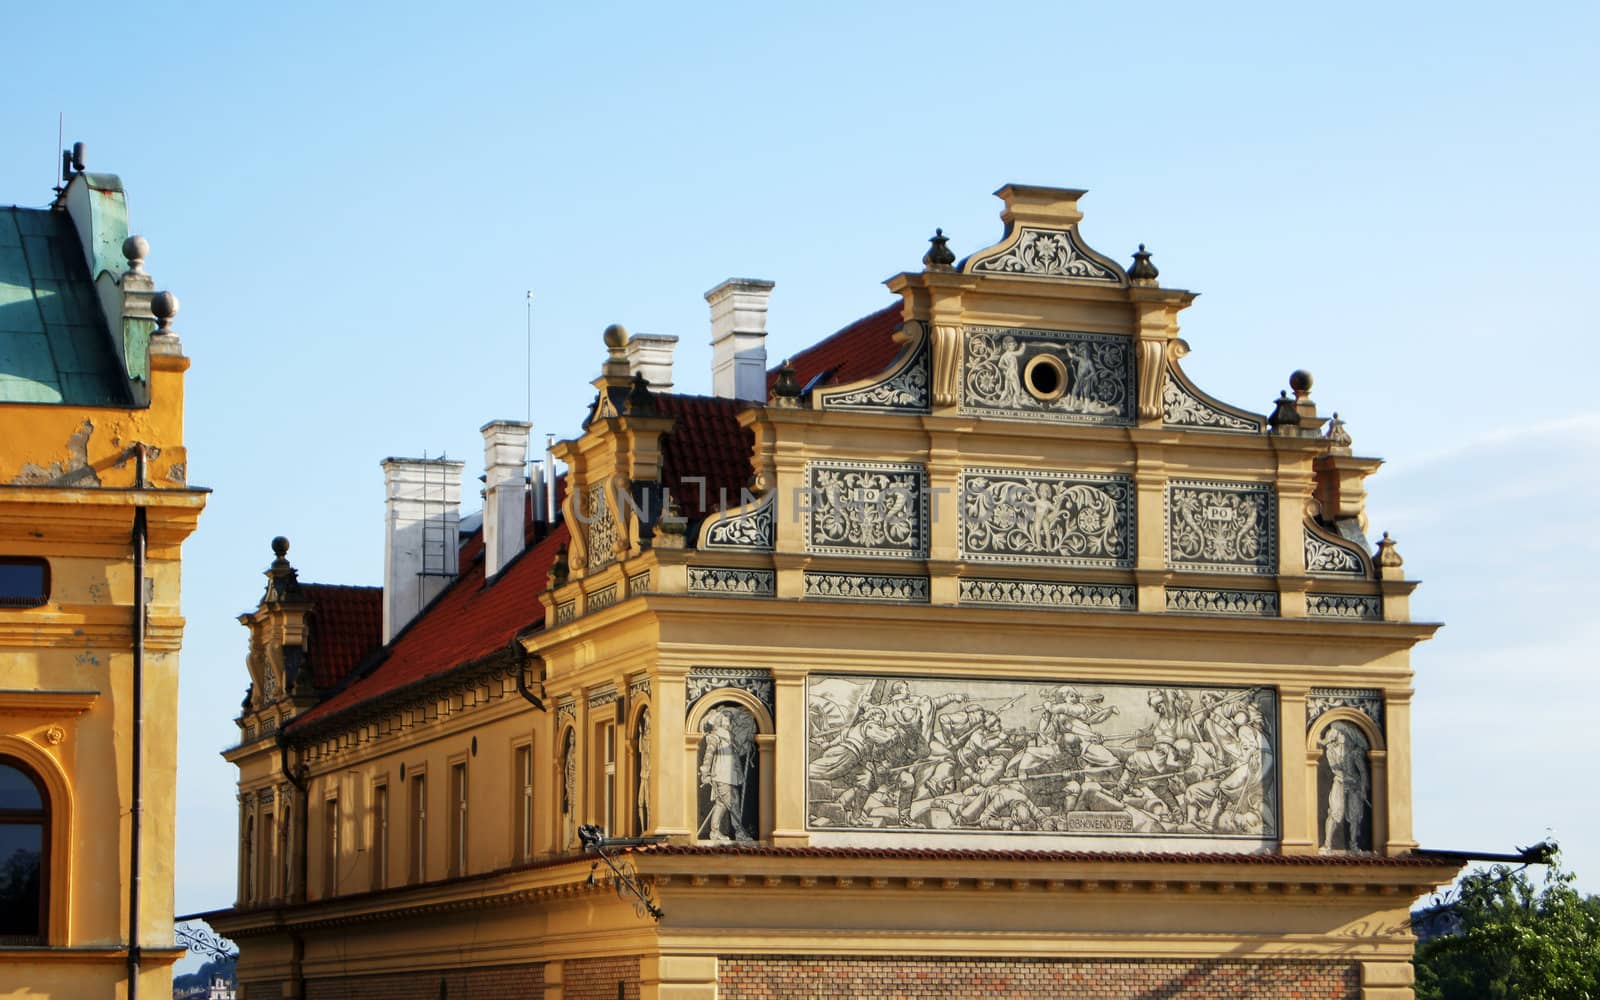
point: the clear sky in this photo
(353, 199)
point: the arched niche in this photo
(58, 865)
(1319, 785)
(568, 788)
(642, 748)
(695, 732)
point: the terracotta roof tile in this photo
(466, 622)
(346, 624)
(862, 349)
(705, 441)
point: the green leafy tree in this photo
(1510, 938)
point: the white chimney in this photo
(650, 355)
(505, 492)
(424, 534)
(739, 338)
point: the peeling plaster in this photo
(74, 471)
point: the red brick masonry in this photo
(758, 977)
(597, 978)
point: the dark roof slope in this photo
(860, 350)
(706, 442)
(346, 625)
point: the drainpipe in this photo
(141, 535)
(522, 678)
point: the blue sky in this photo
(352, 200)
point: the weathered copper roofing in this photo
(55, 346)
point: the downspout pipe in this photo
(522, 679)
(141, 611)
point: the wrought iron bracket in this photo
(624, 876)
(200, 938)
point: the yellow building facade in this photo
(94, 508)
(973, 651)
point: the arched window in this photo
(24, 854)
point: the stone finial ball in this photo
(280, 546)
(616, 336)
(164, 305)
(135, 248)
(1300, 381)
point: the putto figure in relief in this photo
(956, 754)
(728, 759)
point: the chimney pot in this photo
(505, 492)
(422, 543)
(650, 355)
(739, 338)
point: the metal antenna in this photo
(530, 357)
(61, 139)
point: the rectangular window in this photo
(458, 819)
(330, 848)
(608, 778)
(24, 582)
(269, 848)
(417, 869)
(522, 790)
(380, 836)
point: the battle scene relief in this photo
(966, 755)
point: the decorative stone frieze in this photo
(1215, 601)
(732, 580)
(1095, 384)
(566, 712)
(601, 531)
(867, 587)
(1362, 606)
(601, 697)
(1325, 557)
(1046, 594)
(1181, 406)
(600, 599)
(905, 389)
(639, 687)
(1216, 526)
(876, 509)
(639, 583)
(756, 680)
(1047, 518)
(566, 611)
(1367, 701)
(744, 528)
(1037, 252)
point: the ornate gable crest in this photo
(1037, 252)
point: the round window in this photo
(1045, 377)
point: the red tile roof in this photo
(862, 349)
(346, 623)
(705, 441)
(466, 622)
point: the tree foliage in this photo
(1508, 937)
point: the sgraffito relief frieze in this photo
(703, 680)
(1220, 601)
(1093, 383)
(1047, 518)
(1218, 526)
(867, 587)
(866, 509)
(1326, 558)
(751, 529)
(1046, 253)
(732, 580)
(600, 533)
(1368, 607)
(603, 598)
(566, 611)
(1061, 757)
(1183, 408)
(1048, 594)
(906, 389)
(1367, 701)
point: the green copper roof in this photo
(54, 344)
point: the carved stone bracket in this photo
(946, 340)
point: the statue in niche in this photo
(569, 790)
(729, 798)
(1345, 786)
(641, 745)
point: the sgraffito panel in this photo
(1098, 375)
(967, 755)
(1047, 518)
(877, 509)
(1219, 526)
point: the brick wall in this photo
(793, 977)
(597, 978)
(511, 982)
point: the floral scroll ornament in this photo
(1050, 253)
(864, 508)
(54, 736)
(1221, 527)
(1044, 520)
(1097, 383)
